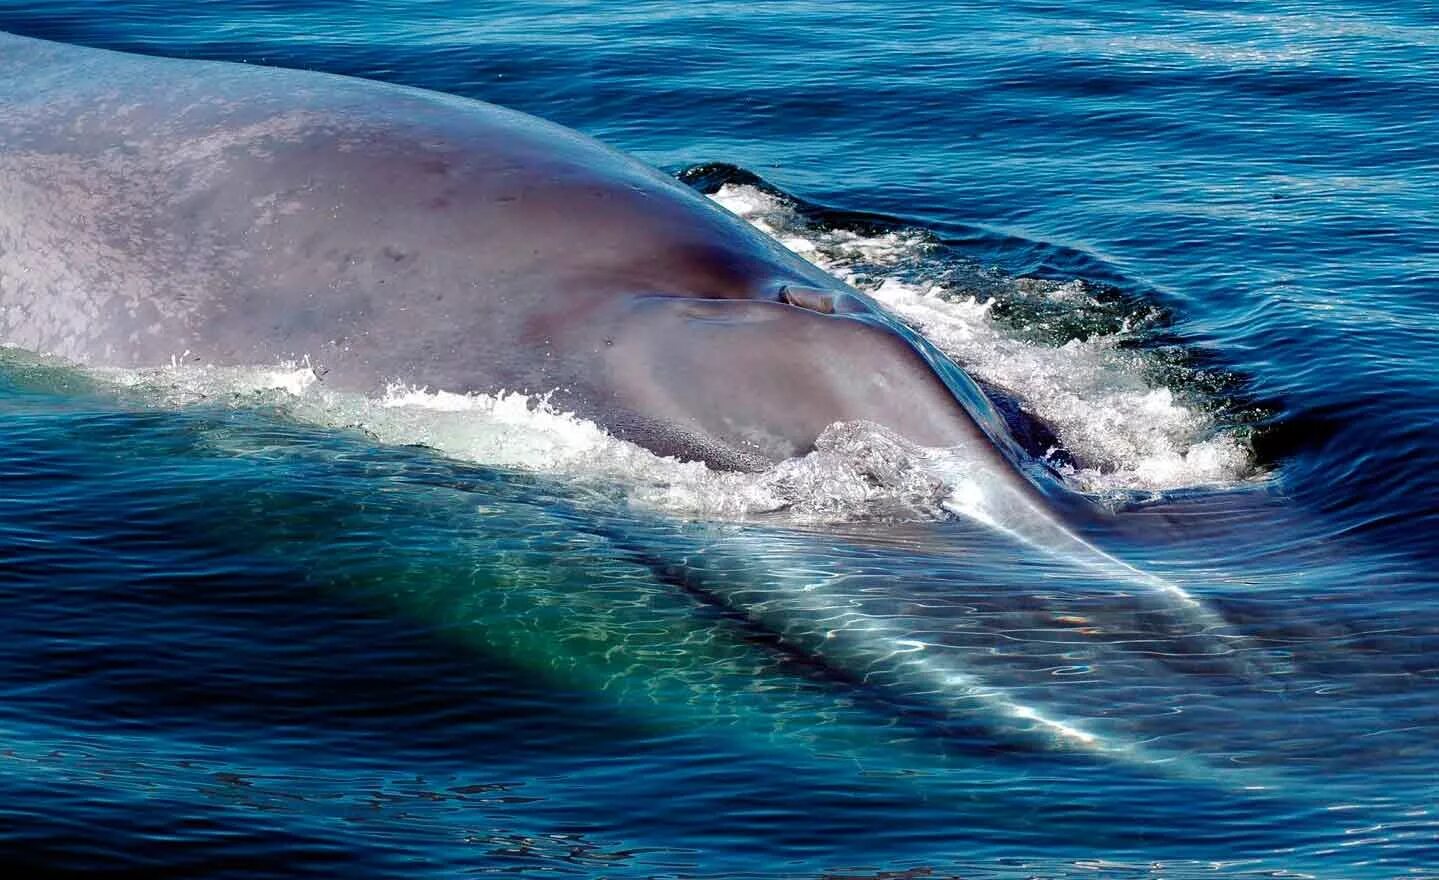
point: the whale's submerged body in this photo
(155, 210)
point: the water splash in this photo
(857, 470)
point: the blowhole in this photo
(824, 302)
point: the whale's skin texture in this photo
(155, 210)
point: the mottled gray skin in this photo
(158, 209)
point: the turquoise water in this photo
(250, 629)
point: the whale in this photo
(156, 211)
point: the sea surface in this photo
(250, 627)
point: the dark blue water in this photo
(1194, 252)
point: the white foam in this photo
(1130, 433)
(857, 470)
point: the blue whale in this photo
(155, 210)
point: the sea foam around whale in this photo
(1130, 434)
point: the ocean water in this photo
(251, 627)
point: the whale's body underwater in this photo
(154, 210)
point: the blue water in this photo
(234, 642)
